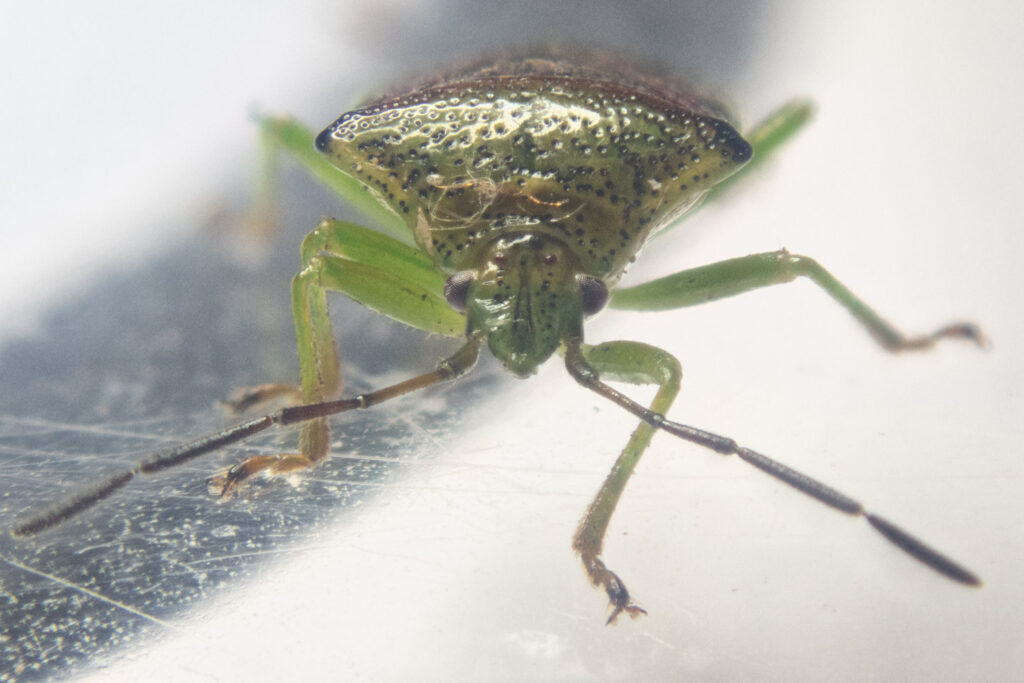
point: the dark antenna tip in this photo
(922, 552)
(52, 516)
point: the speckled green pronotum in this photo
(522, 189)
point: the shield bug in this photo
(525, 187)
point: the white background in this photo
(906, 186)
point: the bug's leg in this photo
(318, 357)
(635, 363)
(372, 269)
(631, 366)
(739, 275)
(321, 378)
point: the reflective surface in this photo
(435, 545)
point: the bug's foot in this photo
(244, 400)
(965, 331)
(620, 604)
(226, 484)
(618, 595)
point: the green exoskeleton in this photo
(522, 189)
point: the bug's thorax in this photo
(599, 163)
(535, 183)
(526, 299)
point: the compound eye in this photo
(595, 293)
(456, 289)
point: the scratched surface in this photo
(435, 545)
(116, 372)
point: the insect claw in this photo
(618, 596)
(634, 612)
(225, 485)
(967, 331)
(219, 486)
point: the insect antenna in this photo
(161, 460)
(587, 376)
(455, 366)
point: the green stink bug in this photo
(528, 186)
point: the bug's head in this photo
(526, 298)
